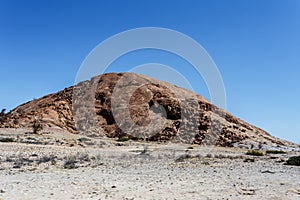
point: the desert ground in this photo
(58, 165)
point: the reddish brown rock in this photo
(138, 107)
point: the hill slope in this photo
(139, 107)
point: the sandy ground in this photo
(58, 165)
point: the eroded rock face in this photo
(53, 109)
(138, 107)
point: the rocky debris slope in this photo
(53, 110)
(128, 105)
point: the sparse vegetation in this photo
(275, 152)
(70, 162)
(2, 115)
(123, 139)
(84, 157)
(2, 112)
(7, 139)
(220, 156)
(254, 153)
(21, 161)
(183, 158)
(32, 161)
(45, 159)
(145, 150)
(294, 160)
(37, 125)
(84, 139)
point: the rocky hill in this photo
(128, 105)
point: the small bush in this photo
(221, 156)
(182, 158)
(295, 160)
(84, 139)
(45, 159)
(21, 161)
(123, 139)
(7, 139)
(84, 157)
(275, 152)
(70, 162)
(37, 126)
(255, 153)
(2, 115)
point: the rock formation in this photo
(141, 108)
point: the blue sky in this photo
(255, 44)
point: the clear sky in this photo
(254, 43)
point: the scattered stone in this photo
(247, 191)
(249, 160)
(267, 171)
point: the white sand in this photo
(124, 172)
